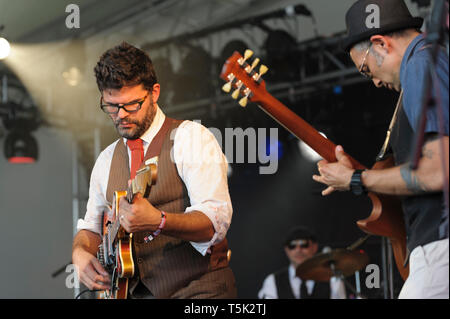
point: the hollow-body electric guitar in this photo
(386, 218)
(115, 252)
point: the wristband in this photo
(161, 225)
(158, 231)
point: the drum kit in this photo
(340, 263)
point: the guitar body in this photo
(125, 270)
(124, 264)
(116, 250)
(386, 218)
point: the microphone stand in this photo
(60, 270)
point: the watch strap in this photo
(356, 185)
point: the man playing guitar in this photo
(179, 231)
(395, 55)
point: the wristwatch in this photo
(356, 185)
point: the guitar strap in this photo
(382, 154)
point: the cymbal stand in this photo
(358, 285)
(337, 273)
(388, 274)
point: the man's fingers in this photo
(93, 285)
(93, 279)
(99, 268)
(318, 178)
(321, 162)
(342, 157)
(339, 152)
(328, 191)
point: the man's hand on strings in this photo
(139, 215)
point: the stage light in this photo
(337, 90)
(273, 148)
(20, 147)
(74, 59)
(308, 152)
(5, 48)
(72, 76)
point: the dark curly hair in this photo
(124, 65)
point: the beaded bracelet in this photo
(158, 231)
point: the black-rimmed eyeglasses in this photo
(131, 107)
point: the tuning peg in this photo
(249, 68)
(227, 86)
(236, 92)
(262, 70)
(247, 55)
(244, 100)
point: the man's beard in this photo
(141, 126)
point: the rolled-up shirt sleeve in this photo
(203, 168)
(97, 203)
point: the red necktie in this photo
(137, 155)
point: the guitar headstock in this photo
(145, 177)
(242, 78)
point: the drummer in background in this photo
(300, 245)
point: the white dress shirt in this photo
(201, 165)
(269, 288)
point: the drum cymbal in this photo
(320, 266)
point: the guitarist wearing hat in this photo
(394, 54)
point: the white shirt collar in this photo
(292, 272)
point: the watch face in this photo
(357, 191)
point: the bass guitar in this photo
(115, 253)
(386, 218)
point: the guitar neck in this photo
(300, 128)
